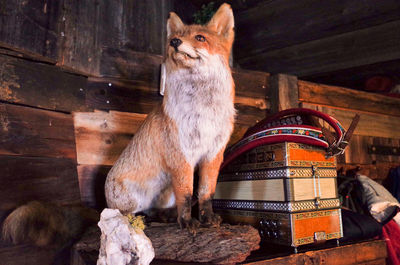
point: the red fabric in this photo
(391, 233)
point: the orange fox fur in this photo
(189, 130)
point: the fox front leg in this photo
(208, 172)
(182, 182)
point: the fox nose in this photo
(175, 42)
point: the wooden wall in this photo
(380, 118)
(96, 66)
(319, 40)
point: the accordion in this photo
(281, 178)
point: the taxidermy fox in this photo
(189, 130)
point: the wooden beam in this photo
(38, 133)
(271, 25)
(370, 124)
(348, 98)
(359, 253)
(332, 53)
(41, 85)
(356, 77)
(283, 92)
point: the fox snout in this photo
(175, 42)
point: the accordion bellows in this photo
(286, 189)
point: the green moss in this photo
(204, 14)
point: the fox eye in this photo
(200, 38)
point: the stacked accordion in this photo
(281, 178)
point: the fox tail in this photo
(47, 225)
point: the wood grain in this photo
(359, 253)
(355, 77)
(370, 124)
(127, 96)
(34, 178)
(283, 92)
(341, 97)
(250, 83)
(37, 133)
(41, 85)
(228, 244)
(27, 255)
(319, 56)
(31, 26)
(102, 136)
(268, 25)
(91, 184)
(378, 171)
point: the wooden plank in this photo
(280, 22)
(370, 124)
(38, 133)
(322, 55)
(91, 184)
(128, 96)
(250, 83)
(31, 26)
(92, 29)
(248, 115)
(348, 98)
(283, 92)
(359, 253)
(355, 77)
(386, 142)
(26, 255)
(33, 178)
(15, 52)
(378, 171)
(40, 85)
(374, 166)
(101, 136)
(81, 36)
(357, 150)
(132, 65)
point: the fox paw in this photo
(191, 225)
(210, 220)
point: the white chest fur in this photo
(200, 102)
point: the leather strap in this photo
(267, 132)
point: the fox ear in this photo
(222, 22)
(174, 23)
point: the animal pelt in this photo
(44, 224)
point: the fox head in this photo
(191, 46)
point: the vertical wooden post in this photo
(283, 92)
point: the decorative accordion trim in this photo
(276, 206)
(277, 173)
(312, 133)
